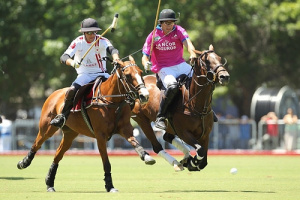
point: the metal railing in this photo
(226, 134)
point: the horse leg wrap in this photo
(192, 165)
(51, 175)
(200, 152)
(176, 142)
(168, 137)
(170, 159)
(108, 182)
(140, 150)
(27, 160)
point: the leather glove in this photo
(75, 64)
(148, 66)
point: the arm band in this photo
(64, 58)
(112, 50)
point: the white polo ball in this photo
(233, 170)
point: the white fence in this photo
(226, 134)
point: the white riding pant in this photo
(168, 75)
(83, 79)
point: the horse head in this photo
(131, 77)
(211, 63)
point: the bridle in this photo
(204, 64)
(210, 75)
(132, 92)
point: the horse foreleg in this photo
(50, 177)
(101, 142)
(203, 162)
(193, 162)
(65, 144)
(145, 125)
(179, 144)
(140, 150)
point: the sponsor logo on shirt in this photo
(166, 46)
(89, 63)
(156, 38)
(73, 45)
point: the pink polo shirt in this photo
(167, 50)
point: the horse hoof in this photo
(51, 189)
(114, 190)
(20, 165)
(178, 167)
(186, 160)
(149, 160)
(193, 169)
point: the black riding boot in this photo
(60, 119)
(167, 99)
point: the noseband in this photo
(204, 64)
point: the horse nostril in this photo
(143, 99)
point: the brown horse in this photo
(110, 113)
(191, 115)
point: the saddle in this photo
(86, 93)
(176, 104)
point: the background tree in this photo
(259, 39)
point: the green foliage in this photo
(259, 38)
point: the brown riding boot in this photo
(60, 119)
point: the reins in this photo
(131, 91)
(210, 77)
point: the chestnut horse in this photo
(190, 116)
(110, 113)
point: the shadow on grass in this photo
(15, 178)
(243, 191)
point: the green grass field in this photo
(81, 177)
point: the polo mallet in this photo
(112, 27)
(153, 32)
(155, 24)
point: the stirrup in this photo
(58, 121)
(161, 123)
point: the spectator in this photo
(290, 130)
(271, 136)
(5, 134)
(223, 131)
(233, 137)
(245, 132)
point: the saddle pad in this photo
(87, 101)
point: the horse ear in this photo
(211, 47)
(131, 59)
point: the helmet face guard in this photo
(88, 25)
(167, 15)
